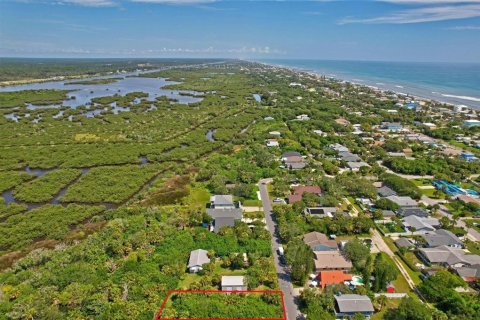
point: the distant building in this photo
(418, 224)
(385, 191)
(268, 118)
(347, 305)
(403, 243)
(303, 117)
(197, 259)
(469, 273)
(391, 126)
(275, 133)
(467, 156)
(272, 143)
(355, 166)
(471, 123)
(233, 283)
(293, 160)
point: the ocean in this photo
(454, 83)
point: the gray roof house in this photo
(448, 257)
(412, 211)
(224, 211)
(418, 224)
(347, 305)
(233, 283)
(403, 243)
(442, 237)
(402, 201)
(385, 191)
(320, 212)
(197, 259)
(347, 156)
(469, 273)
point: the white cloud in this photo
(464, 28)
(424, 14)
(91, 3)
(176, 1)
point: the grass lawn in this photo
(252, 203)
(422, 182)
(414, 275)
(473, 247)
(352, 201)
(391, 304)
(431, 193)
(199, 196)
(190, 278)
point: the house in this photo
(224, 211)
(468, 199)
(417, 224)
(467, 156)
(448, 257)
(402, 201)
(342, 121)
(443, 237)
(233, 283)
(331, 260)
(293, 160)
(404, 243)
(319, 242)
(385, 191)
(298, 192)
(303, 117)
(471, 123)
(469, 273)
(268, 118)
(391, 126)
(321, 212)
(275, 133)
(347, 156)
(332, 277)
(355, 166)
(197, 259)
(338, 147)
(347, 305)
(272, 143)
(412, 211)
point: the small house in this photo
(197, 259)
(348, 305)
(233, 283)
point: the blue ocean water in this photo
(455, 83)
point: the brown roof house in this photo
(298, 192)
(331, 260)
(319, 242)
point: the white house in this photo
(197, 259)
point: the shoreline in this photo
(361, 83)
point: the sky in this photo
(390, 30)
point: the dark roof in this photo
(223, 222)
(403, 243)
(416, 211)
(291, 154)
(353, 303)
(386, 191)
(235, 213)
(442, 237)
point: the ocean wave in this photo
(461, 97)
(399, 87)
(380, 83)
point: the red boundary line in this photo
(157, 317)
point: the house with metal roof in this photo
(448, 257)
(233, 283)
(442, 237)
(412, 211)
(414, 223)
(347, 305)
(197, 259)
(224, 211)
(385, 191)
(402, 201)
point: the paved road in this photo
(282, 274)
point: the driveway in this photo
(282, 274)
